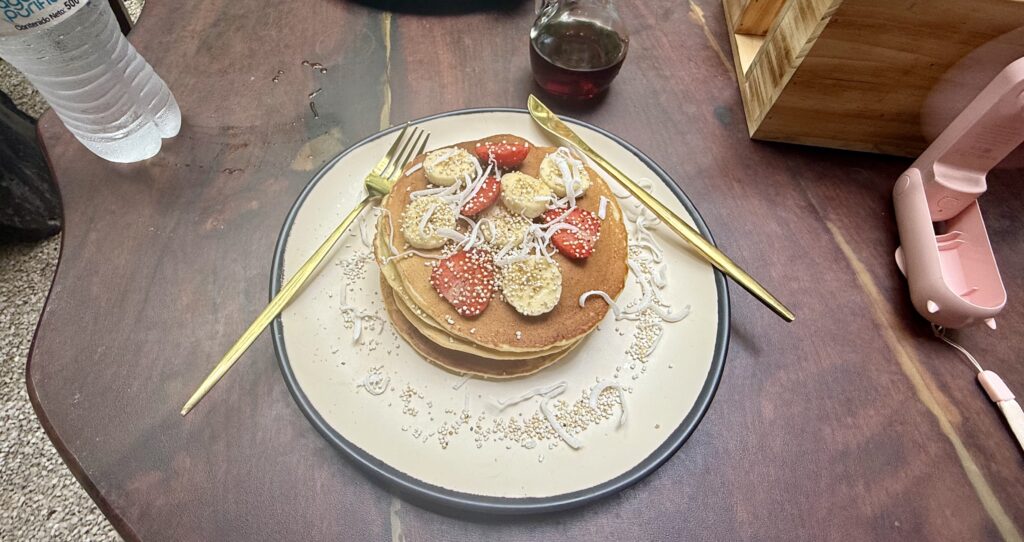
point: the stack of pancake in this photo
(500, 342)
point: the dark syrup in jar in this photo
(576, 59)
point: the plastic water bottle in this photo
(97, 83)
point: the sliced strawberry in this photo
(466, 280)
(484, 198)
(576, 244)
(552, 214)
(508, 151)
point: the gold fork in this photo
(378, 183)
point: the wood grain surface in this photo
(850, 424)
(859, 74)
(757, 16)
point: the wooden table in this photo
(852, 423)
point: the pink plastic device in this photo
(950, 268)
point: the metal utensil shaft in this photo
(276, 305)
(550, 122)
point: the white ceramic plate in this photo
(441, 438)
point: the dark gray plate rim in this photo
(446, 499)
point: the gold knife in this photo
(550, 122)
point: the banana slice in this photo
(508, 228)
(421, 219)
(559, 168)
(532, 286)
(445, 166)
(524, 195)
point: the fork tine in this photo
(398, 162)
(397, 157)
(417, 150)
(423, 146)
(383, 163)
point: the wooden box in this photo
(872, 75)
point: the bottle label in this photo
(17, 16)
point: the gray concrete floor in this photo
(39, 498)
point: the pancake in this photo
(460, 362)
(449, 342)
(437, 331)
(500, 327)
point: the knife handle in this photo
(710, 252)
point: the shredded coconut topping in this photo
(548, 393)
(595, 394)
(414, 169)
(519, 247)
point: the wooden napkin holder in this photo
(858, 74)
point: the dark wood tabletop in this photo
(852, 423)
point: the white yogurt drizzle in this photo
(658, 277)
(623, 194)
(357, 327)
(598, 388)
(645, 302)
(647, 292)
(455, 196)
(669, 316)
(395, 254)
(536, 240)
(375, 383)
(645, 238)
(450, 234)
(616, 310)
(355, 313)
(365, 235)
(570, 170)
(635, 207)
(412, 252)
(572, 441)
(391, 233)
(474, 186)
(459, 192)
(414, 169)
(426, 218)
(462, 381)
(649, 284)
(491, 225)
(358, 315)
(440, 191)
(548, 393)
(555, 228)
(530, 394)
(439, 157)
(475, 238)
(656, 341)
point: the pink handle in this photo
(954, 166)
(953, 277)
